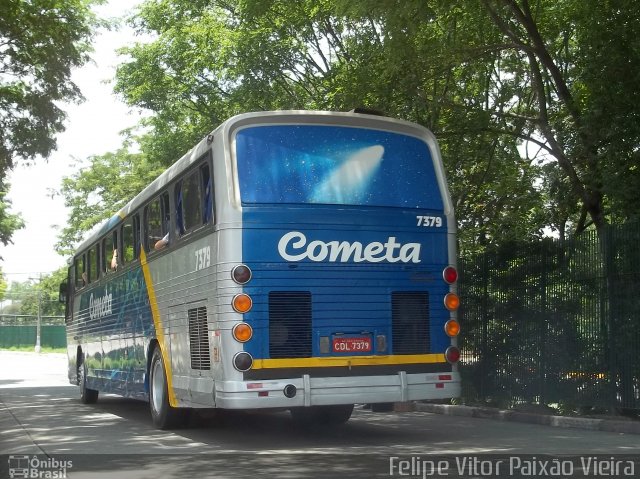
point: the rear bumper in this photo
(325, 391)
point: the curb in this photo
(606, 425)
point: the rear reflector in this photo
(242, 361)
(452, 354)
(241, 274)
(452, 328)
(242, 332)
(451, 301)
(242, 303)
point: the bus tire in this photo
(322, 415)
(338, 414)
(87, 396)
(163, 414)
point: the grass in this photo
(30, 349)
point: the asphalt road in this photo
(40, 416)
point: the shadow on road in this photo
(263, 431)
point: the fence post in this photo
(609, 319)
(543, 325)
(485, 326)
(39, 324)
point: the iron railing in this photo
(554, 322)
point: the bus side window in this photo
(137, 238)
(179, 216)
(80, 272)
(131, 239)
(93, 263)
(109, 250)
(166, 213)
(192, 201)
(152, 224)
(207, 187)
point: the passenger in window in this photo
(161, 243)
(114, 260)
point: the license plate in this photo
(352, 345)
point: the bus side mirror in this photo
(62, 295)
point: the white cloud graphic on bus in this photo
(350, 181)
(293, 247)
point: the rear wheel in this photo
(87, 396)
(322, 415)
(163, 414)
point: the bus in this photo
(296, 260)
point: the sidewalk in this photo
(627, 426)
(20, 371)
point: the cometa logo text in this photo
(100, 307)
(293, 246)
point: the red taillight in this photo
(452, 354)
(450, 275)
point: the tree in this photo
(208, 63)
(3, 285)
(100, 189)
(40, 42)
(9, 222)
(489, 77)
(546, 73)
(28, 296)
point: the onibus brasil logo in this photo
(37, 468)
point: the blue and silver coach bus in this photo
(291, 259)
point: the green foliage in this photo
(41, 41)
(100, 189)
(3, 285)
(491, 78)
(26, 296)
(9, 222)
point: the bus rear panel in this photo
(347, 231)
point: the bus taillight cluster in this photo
(242, 303)
(452, 303)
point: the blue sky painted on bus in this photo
(335, 165)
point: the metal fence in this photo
(554, 322)
(21, 330)
(50, 336)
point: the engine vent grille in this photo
(199, 339)
(290, 324)
(410, 322)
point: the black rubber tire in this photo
(322, 415)
(87, 396)
(382, 407)
(163, 415)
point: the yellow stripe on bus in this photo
(157, 322)
(341, 361)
